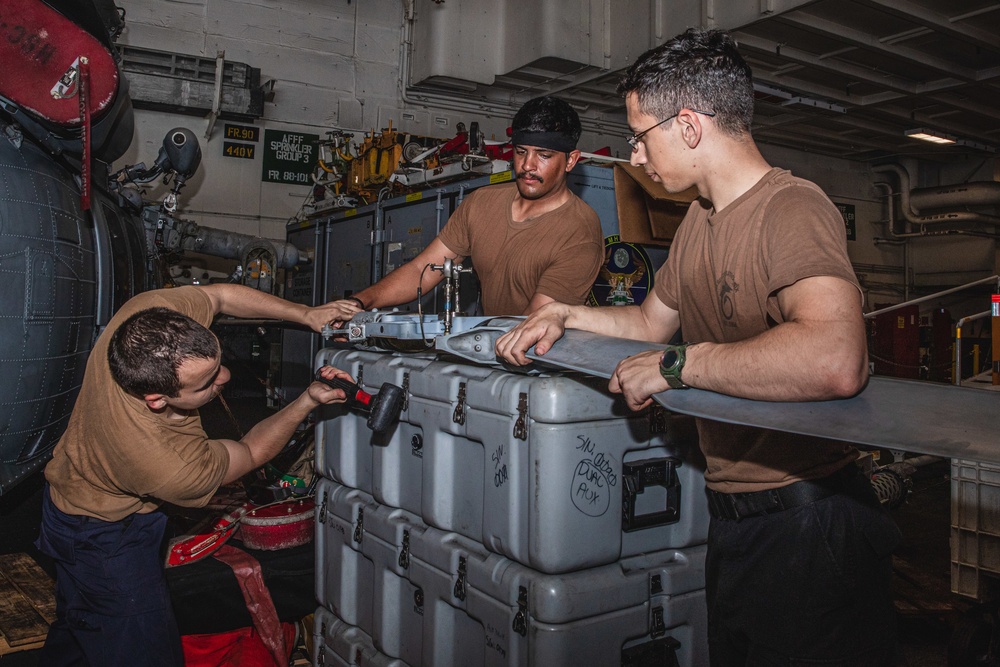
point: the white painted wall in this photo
(336, 65)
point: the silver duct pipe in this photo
(233, 245)
(978, 193)
(906, 207)
(896, 239)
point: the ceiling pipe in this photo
(977, 193)
(898, 240)
(906, 209)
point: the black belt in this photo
(736, 506)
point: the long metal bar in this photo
(931, 297)
(919, 417)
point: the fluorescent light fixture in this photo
(932, 136)
(976, 145)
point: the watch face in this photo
(669, 359)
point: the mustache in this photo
(526, 174)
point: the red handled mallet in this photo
(383, 408)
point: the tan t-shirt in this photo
(557, 254)
(723, 275)
(117, 457)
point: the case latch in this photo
(359, 527)
(521, 424)
(404, 552)
(459, 416)
(322, 510)
(520, 624)
(460, 582)
(406, 392)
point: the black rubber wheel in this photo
(412, 150)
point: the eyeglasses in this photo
(634, 140)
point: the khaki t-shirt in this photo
(117, 457)
(723, 275)
(557, 254)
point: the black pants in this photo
(112, 605)
(808, 585)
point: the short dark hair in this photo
(548, 114)
(699, 69)
(146, 350)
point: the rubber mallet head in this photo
(386, 407)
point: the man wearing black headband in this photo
(531, 241)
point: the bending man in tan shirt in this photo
(135, 441)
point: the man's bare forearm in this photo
(268, 437)
(794, 361)
(399, 287)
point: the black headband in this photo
(557, 141)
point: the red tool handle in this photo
(353, 391)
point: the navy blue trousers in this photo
(112, 603)
(806, 586)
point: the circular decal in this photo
(625, 277)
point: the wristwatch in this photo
(672, 364)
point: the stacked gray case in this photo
(550, 471)
(338, 644)
(427, 597)
(507, 519)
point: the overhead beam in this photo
(901, 115)
(891, 136)
(811, 89)
(916, 119)
(875, 44)
(987, 110)
(938, 22)
(822, 147)
(800, 57)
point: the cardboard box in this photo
(647, 214)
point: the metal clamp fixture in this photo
(452, 272)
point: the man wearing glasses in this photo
(759, 281)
